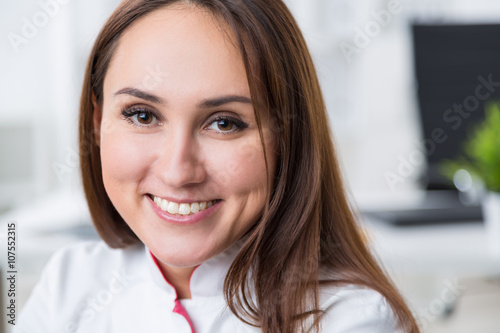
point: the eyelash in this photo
(129, 113)
(240, 125)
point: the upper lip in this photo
(184, 200)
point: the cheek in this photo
(240, 170)
(124, 161)
(247, 166)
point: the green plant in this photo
(481, 151)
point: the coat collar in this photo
(207, 279)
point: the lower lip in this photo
(184, 219)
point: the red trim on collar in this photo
(178, 308)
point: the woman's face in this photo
(178, 135)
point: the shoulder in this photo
(87, 250)
(92, 253)
(354, 308)
(71, 275)
(91, 258)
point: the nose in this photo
(179, 162)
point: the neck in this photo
(179, 278)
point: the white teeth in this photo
(195, 207)
(184, 209)
(175, 208)
(163, 205)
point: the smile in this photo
(176, 208)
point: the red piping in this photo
(178, 308)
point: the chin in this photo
(185, 255)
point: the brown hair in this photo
(307, 225)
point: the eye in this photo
(227, 125)
(140, 117)
(224, 125)
(144, 118)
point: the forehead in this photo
(184, 49)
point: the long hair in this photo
(307, 226)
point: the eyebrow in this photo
(140, 94)
(204, 104)
(215, 102)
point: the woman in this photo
(210, 174)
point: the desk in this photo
(439, 267)
(454, 248)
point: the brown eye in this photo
(140, 117)
(144, 118)
(224, 125)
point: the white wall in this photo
(43, 49)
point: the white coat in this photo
(89, 287)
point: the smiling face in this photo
(178, 133)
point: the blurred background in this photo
(405, 81)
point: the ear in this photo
(97, 120)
